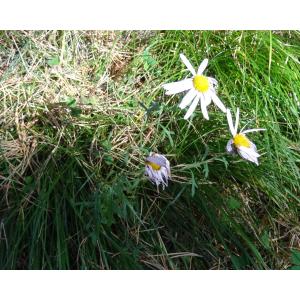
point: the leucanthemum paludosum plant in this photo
(157, 168)
(200, 88)
(240, 143)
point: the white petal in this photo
(147, 170)
(159, 176)
(253, 146)
(253, 130)
(178, 86)
(202, 66)
(165, 176)
(203, 107)
(237, 119)
(188, 98)
(251, 150)
(213, 82)
(218, 102)
(207, 97)
(157, 159)
(230, 123)
(166, 161)
(192, 107)
(160, 156)
(212, 90)
(230, 148)
(249, 154)
(168, 168)
(150, 174)
(187, 63)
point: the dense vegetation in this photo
(80, 111)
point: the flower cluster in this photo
(203, 89)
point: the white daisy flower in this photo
(158, 169)
(199, 87)
(240, 143)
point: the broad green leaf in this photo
(295, 257)
(71, 102)
(54, 61)
(89, 101)
(233, 203)
(294, 268)
(148, 60)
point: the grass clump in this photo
(80, 111)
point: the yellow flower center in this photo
(201, 83)
(241, 140)
(153, 165)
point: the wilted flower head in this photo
(200, 88)
(158, 169)
(240, 143)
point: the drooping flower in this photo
(157, 168)
(200, 88)
(240, 143)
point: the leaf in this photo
(89, 101)
(294, 268)
(75, 111)
(94, 238)
(205, 170)
(107, 145)
(295, 257)
(223, 160)
(108, 159)
(239, 262)
(193, 165)
(71, 102)
(148, 60)
(233, 203)
(194, 184)
(265, 239)
(154, 106)
(29, 184)
(54, 61)
(28, 179)
(168, 134)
